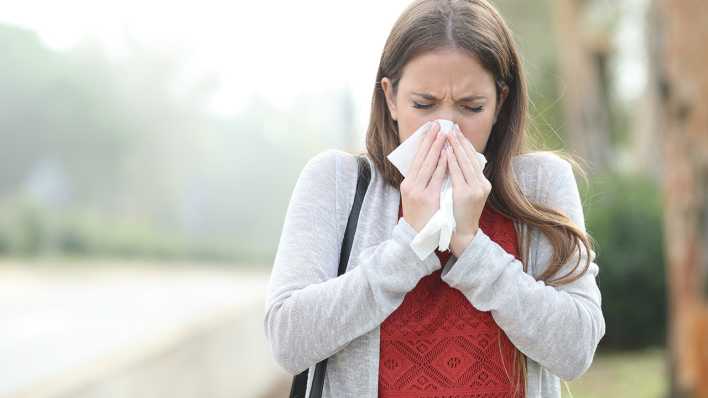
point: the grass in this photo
(640, 374)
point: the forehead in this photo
(437, 72)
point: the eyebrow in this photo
(433, 98)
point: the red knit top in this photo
(436, 344)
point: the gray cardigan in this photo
(311, 314)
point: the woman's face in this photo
(445, 84)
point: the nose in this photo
(448, 113)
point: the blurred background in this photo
(148, 151)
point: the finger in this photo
(430, 162)
(458, 179)
(469, 149)
(423, 148)
(439, 175)
(464, 162)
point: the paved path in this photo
(55, 317)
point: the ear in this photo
(387, 87)
(504, 92)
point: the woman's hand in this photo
(470, 189)
(420, 189)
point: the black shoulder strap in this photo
(362, 184)
(299, 385)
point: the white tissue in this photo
(437, 233)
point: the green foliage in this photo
(123, 134)
(29, 230)
(624, 216)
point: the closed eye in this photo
(428, 106)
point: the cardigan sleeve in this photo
(557, 326)
(310, 312)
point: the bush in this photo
(624, 216)
(29, 230)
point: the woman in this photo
(495, 317)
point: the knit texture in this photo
(438, 344)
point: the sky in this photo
(276, 49)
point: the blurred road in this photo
(57, 317)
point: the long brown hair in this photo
(476, 27)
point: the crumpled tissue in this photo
(437, 233)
